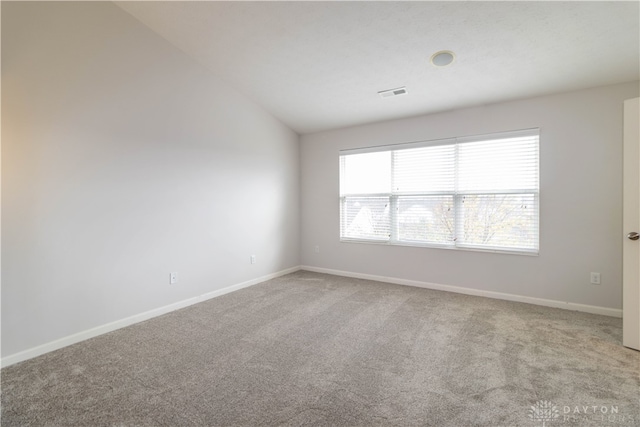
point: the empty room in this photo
(320, 213)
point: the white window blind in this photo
(475, 192)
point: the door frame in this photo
(631, 223)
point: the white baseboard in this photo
(118, 324)
(613, 312)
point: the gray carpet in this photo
(314, 349)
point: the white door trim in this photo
(631, 223)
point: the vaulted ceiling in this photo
(320, 65)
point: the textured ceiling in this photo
(319, 65)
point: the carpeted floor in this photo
(314, 349)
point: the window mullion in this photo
(458, 226)
(393, 202)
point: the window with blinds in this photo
(478, 192)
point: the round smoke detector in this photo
(442, 58)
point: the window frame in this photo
(456, 196)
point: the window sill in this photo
(446, 247)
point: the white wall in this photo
(580, 200)
(123, 160)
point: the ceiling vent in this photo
(393, 92)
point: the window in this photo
(478, 192)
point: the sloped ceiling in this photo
(319, 65)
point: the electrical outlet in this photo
(173, 278)
(595, 278)
(317, 249)
(253, 259)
